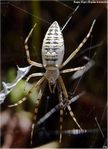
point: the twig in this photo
(56, 108)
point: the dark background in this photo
(17, 18)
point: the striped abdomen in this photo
(53, 46)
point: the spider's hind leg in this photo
(79, 47)
(27, 50)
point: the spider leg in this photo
(29, 92)
(79, 47)
(69, 18)
(38, 99)
(61, 111)
(52, 90)
(33, 75)
(72, 69)
(27, 50)
(66, 98)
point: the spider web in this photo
(17, 20)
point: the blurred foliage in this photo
(37, 32)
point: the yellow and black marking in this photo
(38, 99)
(67, 99)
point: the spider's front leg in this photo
(38, 99)
(33, 75)
(29, 92)
(27, 50)
(67, 100)
(61, 110)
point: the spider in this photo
(52, 62)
